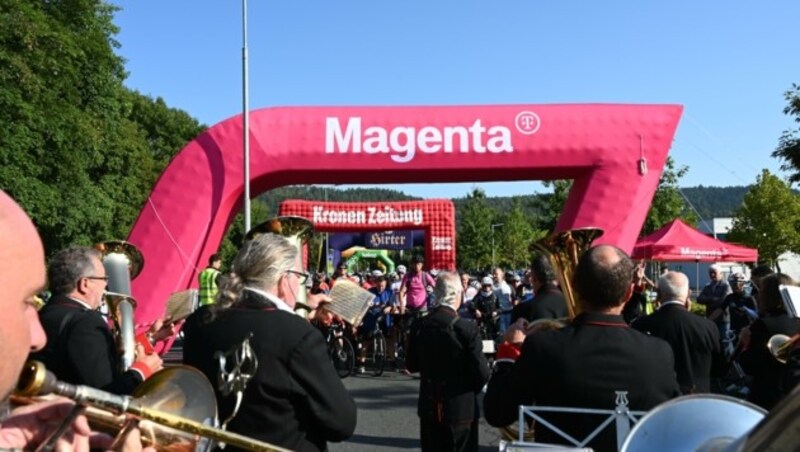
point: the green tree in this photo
(552, 204)
(474, 244)
(769, 219)
(789, 143)
(516, 235)
(78, 150)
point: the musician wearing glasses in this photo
(295, 398)
(80, 347)
(22, 275)
(583, 364)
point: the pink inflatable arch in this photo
(614, 154)
(437, 217)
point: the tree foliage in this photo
(474, 244)
(73, 151)
(516, 236)
(789, 143)
(769, 219)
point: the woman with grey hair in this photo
(295, 399)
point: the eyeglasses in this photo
(302, 277)
(102, 278)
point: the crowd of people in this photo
(295, 398)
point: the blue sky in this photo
(728, 63)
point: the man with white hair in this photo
(715, 291)
(447, 352)
(694, 339)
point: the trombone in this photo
(178, 400)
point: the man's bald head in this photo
(604, 277)
(22, 275)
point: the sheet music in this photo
(791, 300)
(350, 301)
(181, 304)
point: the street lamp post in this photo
(245, 120)
(497, 225)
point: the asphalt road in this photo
(387, 415)
(387, 412)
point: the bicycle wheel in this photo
(378, 354)
(343, 356)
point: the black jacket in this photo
(295, 400)
(548, 303)
(695, 344)
(582, 365)
(768, 373)
(81, 349)
(447, 352)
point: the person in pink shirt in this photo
(414, 288)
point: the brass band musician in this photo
(295, 399)
(80, 346)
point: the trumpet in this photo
(175, 407)
(781, 345)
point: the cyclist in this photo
(377, 315)
(486, 309)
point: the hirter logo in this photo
(527, 122)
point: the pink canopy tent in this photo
(677, 241)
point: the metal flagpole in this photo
(246, 119)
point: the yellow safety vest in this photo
(208, 286)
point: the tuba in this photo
(781, 345)
(175, 409)
(123, 262)
(707, 422)
(563, 250)
(297, 230)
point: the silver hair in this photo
(673, 286)
(260, 264)
(448, 288)
(68, 266)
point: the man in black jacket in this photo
(583, 364)
(446, 350)
(80, 347)
(295, 399)
(548, 301)
(694, 339)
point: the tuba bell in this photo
(123, 262)
(781, 345)
(297, 230)
(563, 250)
(707, 422)
(701, 422)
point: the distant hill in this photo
(709, 202)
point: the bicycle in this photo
(341, 351)
(376, 349)
(403, 324)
